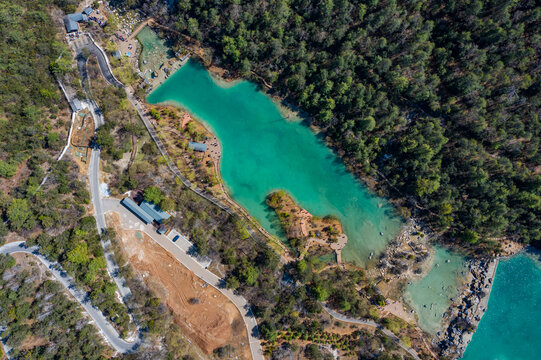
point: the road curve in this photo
(129, 221)
(87, 42)
(370, 323)
(105, 328)
(99, 210)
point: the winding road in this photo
(180, 250)
(102, 206)
(105, 328)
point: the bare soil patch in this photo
(206, 316)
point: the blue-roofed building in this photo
(88, 10)
(71, 20)
(197, 146)
(71, 26)
(136, 209)
(154, 211)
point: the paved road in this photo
(112, 266)
(371, 323)
(93, 176)
(129, 221)
(105, 328)
(85, 41)
(185, 259)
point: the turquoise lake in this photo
(262, 152)
(511, 326)
(431, 295)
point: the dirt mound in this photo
(207, 317)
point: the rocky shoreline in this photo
(466, 313)
(407, 258)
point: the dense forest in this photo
(33, 125)
(440, 102)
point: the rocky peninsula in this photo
(305, 231)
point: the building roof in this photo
(70, 25)
(71, 20)
(154, 210)
(197, 146)
(117, 54)
(88, 10)
(76, 16)
(136, 209)
(76, 105)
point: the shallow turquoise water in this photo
(263, 152)
(431, 295)
(511, 327)
(154, 51)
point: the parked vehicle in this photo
(176, 238)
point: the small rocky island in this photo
(304, 230)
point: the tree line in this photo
(441, 101)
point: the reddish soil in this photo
(206, 316)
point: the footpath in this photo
(181, 250)
(373, 324)
(93, 172)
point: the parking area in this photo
(130, 222)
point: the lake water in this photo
(154, 51)
(263, 152)
(431, 295)
(511, 326)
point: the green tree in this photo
(167, 204)
(470, 237)
(153, 194)
(268, 331)
(7, 169)
(232, 282)
(249, 275)
(321, 292)
(79, 255)
(18, 212)
(104, 139)
(155, 114)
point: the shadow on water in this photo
(274, 221)
(533, 253)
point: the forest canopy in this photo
(442, 101)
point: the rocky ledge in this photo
(467, 312)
